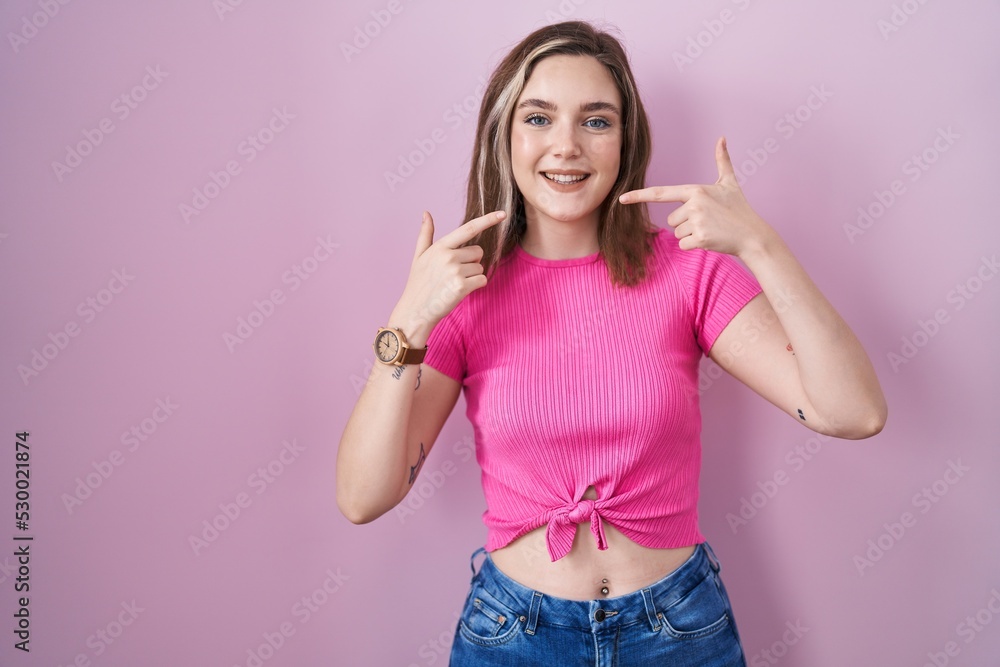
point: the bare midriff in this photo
(586, 572)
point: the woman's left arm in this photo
(788, 344)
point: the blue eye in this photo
(533, 117)
(606, 124)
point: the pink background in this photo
(315, 196)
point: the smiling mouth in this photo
(565, 179)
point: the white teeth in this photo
(564, 178)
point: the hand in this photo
(713, 217)
(443, 273)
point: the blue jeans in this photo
(684, 619)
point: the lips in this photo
(565, 178)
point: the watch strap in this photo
(413, 355)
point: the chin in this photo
(566, 216)
(571, 210)
(567, 219)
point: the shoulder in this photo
(688, 265)
(698, 274)
(662, 240)
(666, 246)
(664, 252)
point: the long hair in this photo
(624, 229)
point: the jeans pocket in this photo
(487, 621)
(701, 612)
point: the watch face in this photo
(387, 346)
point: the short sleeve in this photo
(718, 287)
(446, 344)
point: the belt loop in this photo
(712, 559)
(647, 600)
(536, 603)
(472, 560)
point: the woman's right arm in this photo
(394, 424)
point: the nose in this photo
(566, 141)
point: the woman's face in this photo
(566, 140)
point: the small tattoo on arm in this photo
(398, 372)
(801, 416)
(415, 468)
(419, 371)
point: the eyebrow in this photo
(586, 107)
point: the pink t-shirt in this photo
(571, 381)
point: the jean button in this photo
(599, 615)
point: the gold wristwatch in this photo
(392, 349)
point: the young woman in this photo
(575, 327)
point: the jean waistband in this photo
(643, 605)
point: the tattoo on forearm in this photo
(419, 371)
(415, 468)
(789, 348)
(398, 372)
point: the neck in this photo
(555, 239)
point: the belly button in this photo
(604, 589)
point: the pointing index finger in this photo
(658, 193)
(468, 231)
